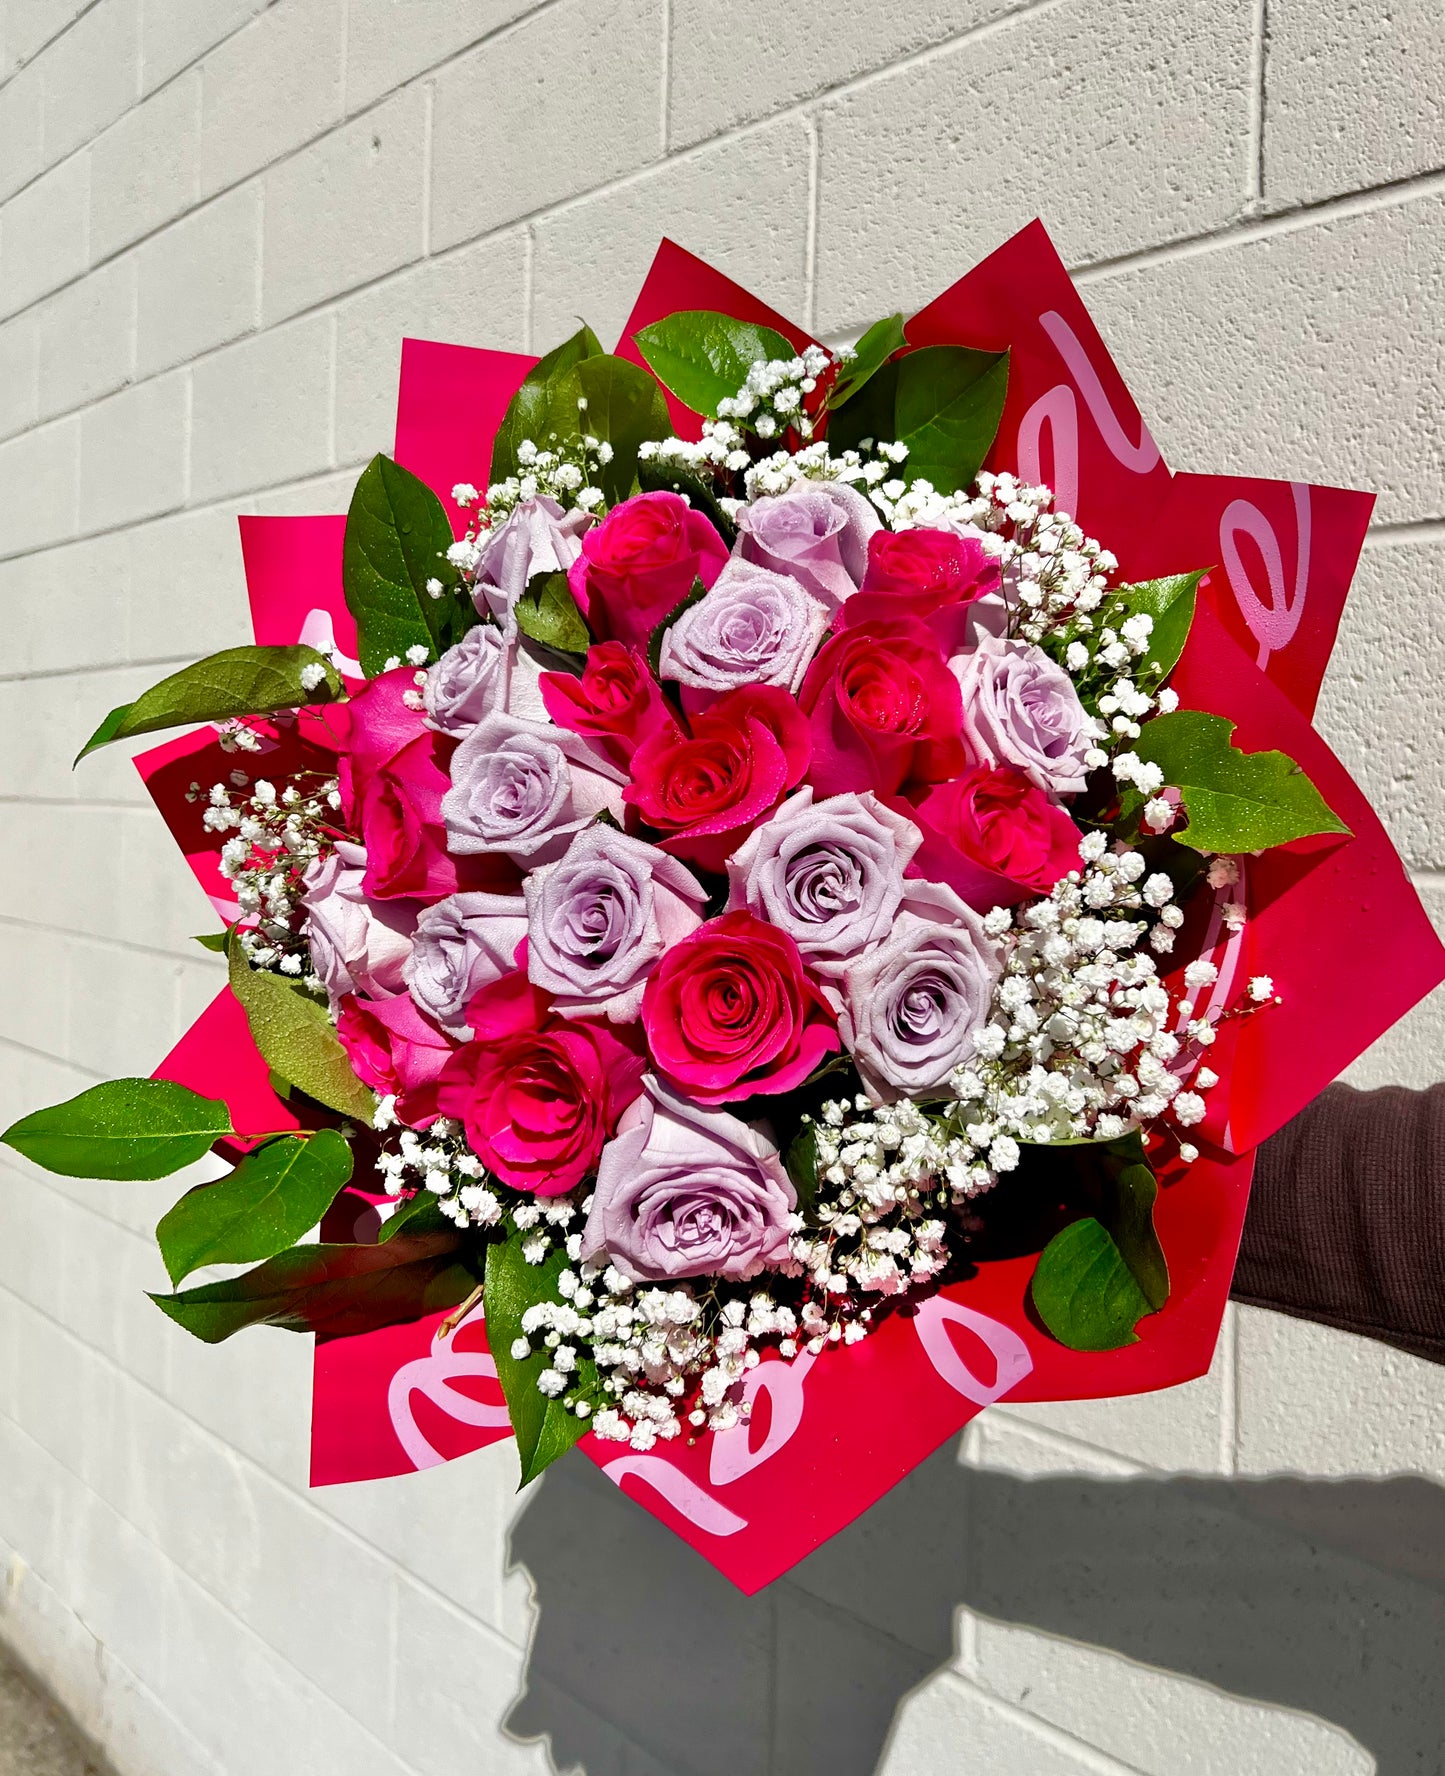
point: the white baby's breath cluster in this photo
(773, 399)
(567, 470)
(276, 835)
(439, 1161)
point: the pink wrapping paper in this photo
(1334, 921)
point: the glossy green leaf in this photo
(869, 356)
(420, 1214)
(529, 413)
(801, 1161)
(126, 1128)
(545, 1428)
(336, 1290)
(548, 613)
(704, 357)
(213, 940)
(274, 1196)
(296, 1038)
(1084, 1292)
(944, 402)
(655, 640)
(1236, 801)
(625, 408)
(1170, 602)
(397, 537)
(1128, 1214)
(237, 681)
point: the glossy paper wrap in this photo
(1334, 921)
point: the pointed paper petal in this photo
(451, 400)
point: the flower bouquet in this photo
(770, 921)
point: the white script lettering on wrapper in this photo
(1273, 624)
(432, 1375)
(732, 1457)
(1058, 409)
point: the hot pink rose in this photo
(996, 822)
(397, 1052)
(884, 710)
(934, 575)
(707, 792)
(394, 773)
(536, 1095)
(640, 563)
(730, 1011)
(616, 701)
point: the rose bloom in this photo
(707, 791)
(996, 819)
(913, 1007)
(1020, 709)
(482, 673)
(934, 575)
(538, 537)
(601, 918)
(884, 709)
(829, 873)
(523, 788)
(393, 771)
(730, 1012)
(536, 1096)
(397, 1052)
(640, 563)
(753, 627)
(357, 945)
(817, 531)
(683, 1191)
(616, 703)
(463, 943)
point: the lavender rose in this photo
(523, 788)
(817, 531)
(828, 873)
(600, 919)
(913, 1007)
(753, 627)
(1020, 709)
(538, 537)
(357, 945)
(683, 1191)
(482, 673)
(463, 943)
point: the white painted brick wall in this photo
(216, 222)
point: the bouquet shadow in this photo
(1326, 1596)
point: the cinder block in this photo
(44, 233)
(198, 282)
(315, 494)
(486, 171)
(776, 56)
(19, 373)
(472, 297)
(743, 206)
(87, 338)
(949, 1712)
(389, 41)
(40, 487)
(1124, 123)
(91, 75)
(144, 166)
(346, 210)
(37, 983)
(1003, 1445)
(1334, 338)
(31, 24)
(262, 410)
(133, 453)
(272, 86)
(1353, 96)
(21, 113)
(175, 32)
(189, 587)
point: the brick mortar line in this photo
(102, 942)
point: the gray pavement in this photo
(36, 1738)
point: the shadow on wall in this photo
(1326, 1596)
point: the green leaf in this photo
(528, 412)
(545, 1427)
(213, 940)
(420, 1214)
(801, 1161)
(548, 613)
(625, 408)
(870, 354)
(655, 640)
(336, 1290)
(296, 1038)
(274, 1196)
(397, 537)
(1236, 801)
(1170, 601)
(1084, 1292)
(704, 357)
(126, 1128)
(237, 681)
(943, 401)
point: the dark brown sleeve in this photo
(1346, 1220)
